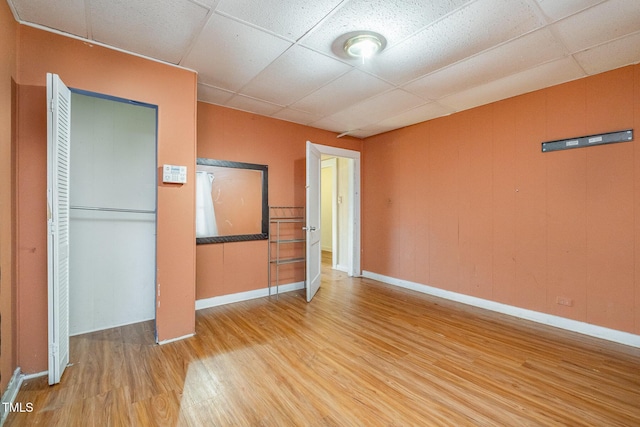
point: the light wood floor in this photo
(361, 354)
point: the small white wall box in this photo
(174, 174)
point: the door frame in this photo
(354, 223)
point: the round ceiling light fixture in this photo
(364, 44)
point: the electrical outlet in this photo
(564, 301)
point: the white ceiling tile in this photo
(368, 131)
(296, 73)
(545, 75)
(477, 27)
(522, 53)
(419, 114)
(377, 108)
(395, 20)
(211, 4)
(348, 121)
(290, 19)
(296, 116)
(612, 55)
(251, 105)
(66, 16)
(604, 22)
(558, 9)
(344, 122)
(213, 95)
(229, 54)
(162, 29)
(348, 89)
(329, 124)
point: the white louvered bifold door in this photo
(58, 162)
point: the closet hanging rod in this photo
(91, 208)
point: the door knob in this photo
(309, 228)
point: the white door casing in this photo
(58, 163)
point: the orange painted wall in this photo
(226, 134)
(8, 30)
(105, 71)
(469, 203)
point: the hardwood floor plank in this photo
(159, 410)
(361, 353)
(108, 408)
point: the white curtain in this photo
(205, 215)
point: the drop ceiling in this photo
(278, 58)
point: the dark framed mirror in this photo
(232, 201)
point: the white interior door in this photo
(314, 252)
(58, 162)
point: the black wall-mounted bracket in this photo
(587, 141)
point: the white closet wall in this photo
(113, 224)
(326, 202)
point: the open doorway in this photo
(334, 212)
(112, 212)
(341, 206)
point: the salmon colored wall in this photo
(469, 203)
(8, 29)
(226, 134)
(105, 71)
(31, 229)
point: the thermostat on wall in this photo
(174, 174)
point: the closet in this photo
(112, 213)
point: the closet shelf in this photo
(287, 261)
(289, 241)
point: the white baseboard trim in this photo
(245, 296)
(26, 377)
(342, 268)
(175, 339)
(535, 316)
(117, 325)
(9, 396)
